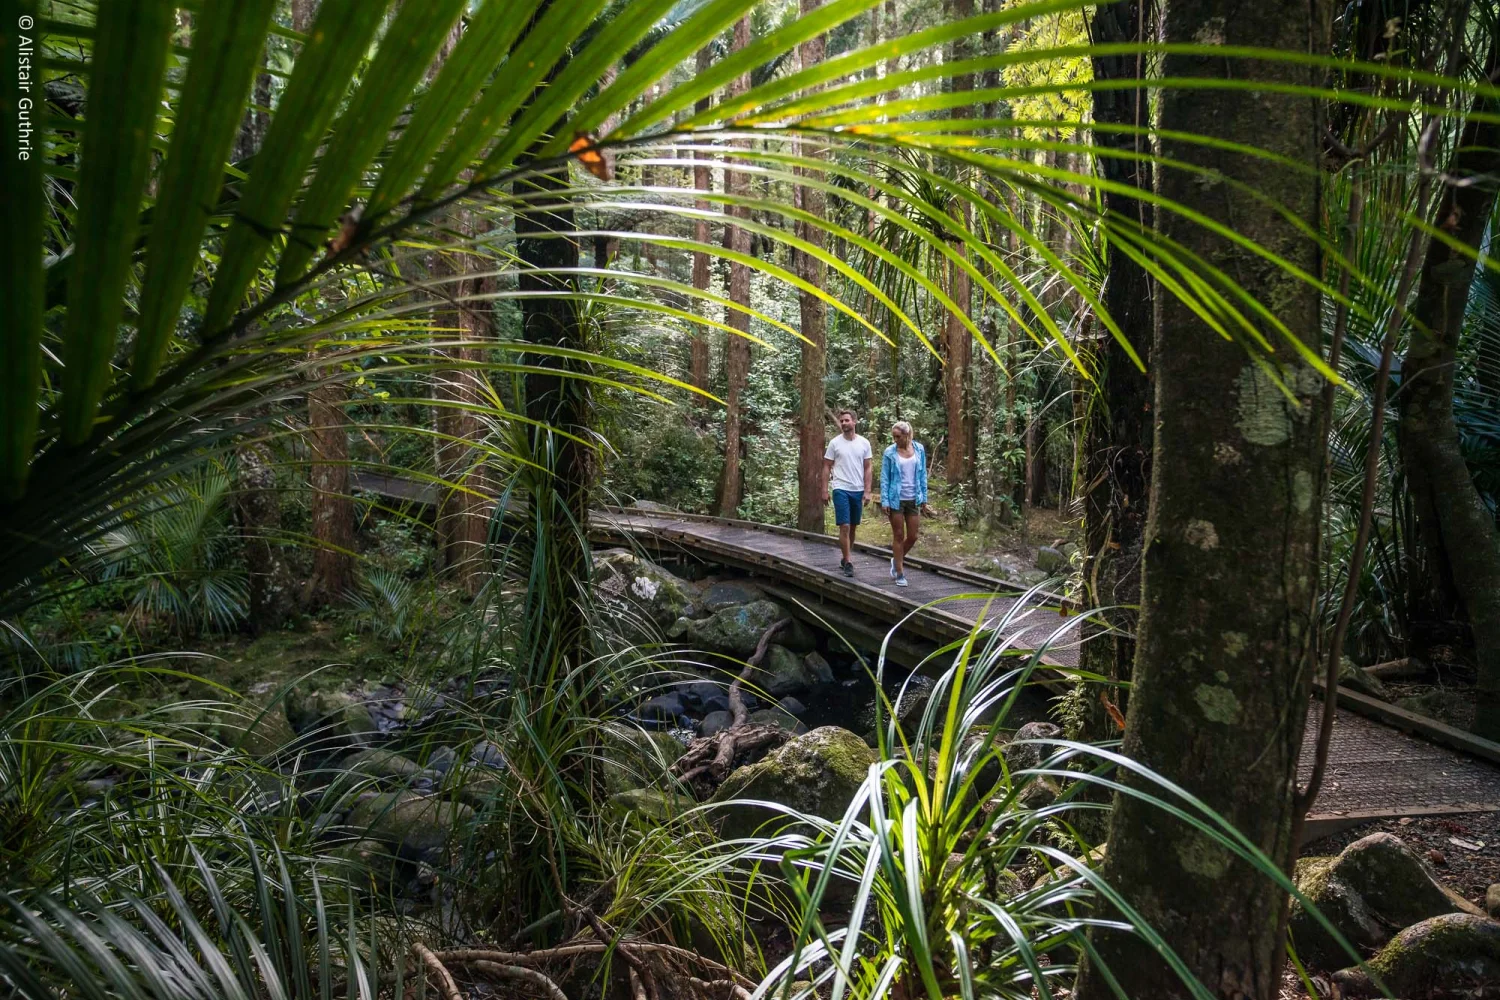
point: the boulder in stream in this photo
(1452, 955)
(817, 773)
(638, 585)
(419, 827)
(735, 631)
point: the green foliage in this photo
(666, 460)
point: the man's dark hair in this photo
(850, 412)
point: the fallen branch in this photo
(1405, 668)
(440, 972)
(499, 970)
(712, 757)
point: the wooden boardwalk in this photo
(1375, 769)
(1383, 762)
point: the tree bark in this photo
(1454, 528)
(1117, 433)
(812, 421)
(958, 347)
(258, 506)
(736, 348)
(702, 181)
(1225, 645)
(332, 506)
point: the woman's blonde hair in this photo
(901, 426)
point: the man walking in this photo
(846, 474)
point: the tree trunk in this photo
(1117, 433)
(1455, 530)
(332, 506)
(958, 347)
(812, 421)
(736, 348)
(702, 181)
(258, 505)
(1227, 624)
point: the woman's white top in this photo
(907, 467)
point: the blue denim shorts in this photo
(848, 506)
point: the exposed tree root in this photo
(497, 970)
(709, 759)
(438, 971)
(576, 949)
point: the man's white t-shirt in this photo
(849, 459)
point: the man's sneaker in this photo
(894, 574)
(848, 568)
(901, 580)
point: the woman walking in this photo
(903, 494)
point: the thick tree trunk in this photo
(1227, 625)
(563, 403)
(736, 348)
(332, 506)
(958, 347)
(702, 181)
(812, 421)
(1118, 430)
(1456, 531)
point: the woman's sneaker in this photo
(901, 580)
(847, 567)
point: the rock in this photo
(653, 803)
(419, 827)
(700, 693)
(638, 585)
(791, 706)
(1050, 560)
(817, 773)
(735, 631)
(381, 764)
(634, 758)
(442, 760)
(1356, 679)
(776, 717)
(714, 703)
(1373, 888)
(1032, 577)
(1492, 899)
(332, 717)
(1068, 550)
(729, 593)
(909, 702)
(487, 754)
(1455, 954)
(258, 730)
(1019, 754)
(714, 723)
(817, 668)
(784, 672)
(663, 707)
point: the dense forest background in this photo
(328, 323)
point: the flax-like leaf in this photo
(130, 55)
(335, 45)
(228, 41)
(405, 51)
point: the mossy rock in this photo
(1356, 679)
(817, 773)
(1373, 888)
(1452, 955)
(331, 717)
(418, 826)
(652, 804)
(784, 672)
(634, 758)
(381, 764)
(622, 577)
(258, 730)
(776, 717)
(736, 630)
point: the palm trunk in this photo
(1224, 656)
(1117, 433)
(1455, 529)
(736, 349)
(811, 421)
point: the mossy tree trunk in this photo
(1224, 656)
(1118, 430)
(702, 181)
(736, 349)
(812, 422)
(1455, 530)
